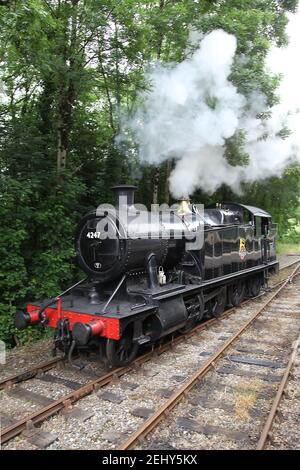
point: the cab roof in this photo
(256, 211)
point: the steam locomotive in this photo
(152, 273)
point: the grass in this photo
(245, 398)
(287, 247)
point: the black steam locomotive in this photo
(153, 273)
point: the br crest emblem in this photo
(242, 250)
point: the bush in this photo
(292, 234)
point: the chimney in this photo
(184, 208)
(124, 194)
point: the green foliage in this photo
(11, 336)
(279, 196)
(68, 69)
(13, 275)
(292, 234)
(287, 248)
(235, 153)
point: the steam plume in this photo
(190, 111)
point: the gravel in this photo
(156, 374)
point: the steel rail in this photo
(30, 373)
(16, 428)
(265, 434)
(40, 415)
(281, 268)
(164, 409)
(34, 370)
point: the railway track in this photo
(293, 258)
(30, 373)
(266, 432)
(66, 402)
(39, 368)
(194, 425)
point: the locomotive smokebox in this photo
(124, 194)
(134, 235)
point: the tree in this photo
(69, 69)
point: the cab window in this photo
(258, 226)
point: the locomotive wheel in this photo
(236, 293)
(121, 352)
(195, 307)
(217, 305)
(254, 286)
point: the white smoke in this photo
(192, 108)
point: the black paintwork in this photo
(239, 243)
